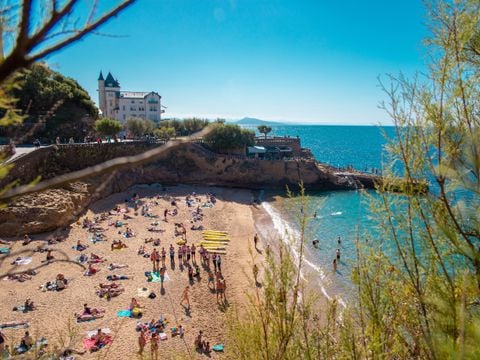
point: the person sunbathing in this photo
(141, 250)
(110, 292)
(101, 339)
(26, 341)
(26, 240)
(60, 282)
(109, 286)
(89, 314)
(129, 232)
(114, 266)
(28, 305)
(117, 277)
(49, 256)
(95, 256)
(118, 245)
(134, 304)
(91, 270)
(80, 246)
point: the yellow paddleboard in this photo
(215, 232)
(222, 252)
(213, 242)
(181, 242)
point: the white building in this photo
(123, 105)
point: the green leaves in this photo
(229, 137)
(108, 127)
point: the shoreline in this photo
(232, 213)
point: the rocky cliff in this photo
(187, 164)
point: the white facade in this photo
(124, 105)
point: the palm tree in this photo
(264, 129)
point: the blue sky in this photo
(294, 60)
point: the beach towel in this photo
(143, 292)
(156, 277)
(89, 344)
(124, 313)
(162, 336)
(4, 250)
(23, 261)
(218, 347)
(94, 332)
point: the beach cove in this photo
(55, 309)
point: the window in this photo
(111, 103)
(133, 108)
(110, 94)
(123, 107)
(133, 101)
(124, 117)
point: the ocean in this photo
(340, 213)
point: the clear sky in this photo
(295, 60)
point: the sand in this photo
(55, 313)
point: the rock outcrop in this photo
(187, 164)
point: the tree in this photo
(229, 137)
(164, 133)
(108, 127)
(139, 127)
(51, 105)
(264, 129)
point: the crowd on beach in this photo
(191, 259)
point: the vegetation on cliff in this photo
(225, 137)
(52, 105)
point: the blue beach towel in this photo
(4, 250)
(124, 313)
(218, 347)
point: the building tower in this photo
(101, 94)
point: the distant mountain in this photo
(256, 122)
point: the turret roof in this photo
(100, 77)
(110, 81)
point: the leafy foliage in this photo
(108, 127)
(52, 105)
(164, 133)
(229, 136)
(185, 127)
(264, 129)
(139, 127)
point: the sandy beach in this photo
(54, 317)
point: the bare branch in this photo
(89, 28)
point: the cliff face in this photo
(187, 164)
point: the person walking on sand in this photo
(185, 297)
(255, 240)
(255, 272)
(142, 341)
(219, 263)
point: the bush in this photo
(229, 136)
(139, 127)
(108, 127)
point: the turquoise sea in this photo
(339, 213)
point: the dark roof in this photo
(100, 77)
(110, 81)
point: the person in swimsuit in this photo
(185, 297)
(154, 346)
(142, 340)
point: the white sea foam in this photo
(286, 234)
